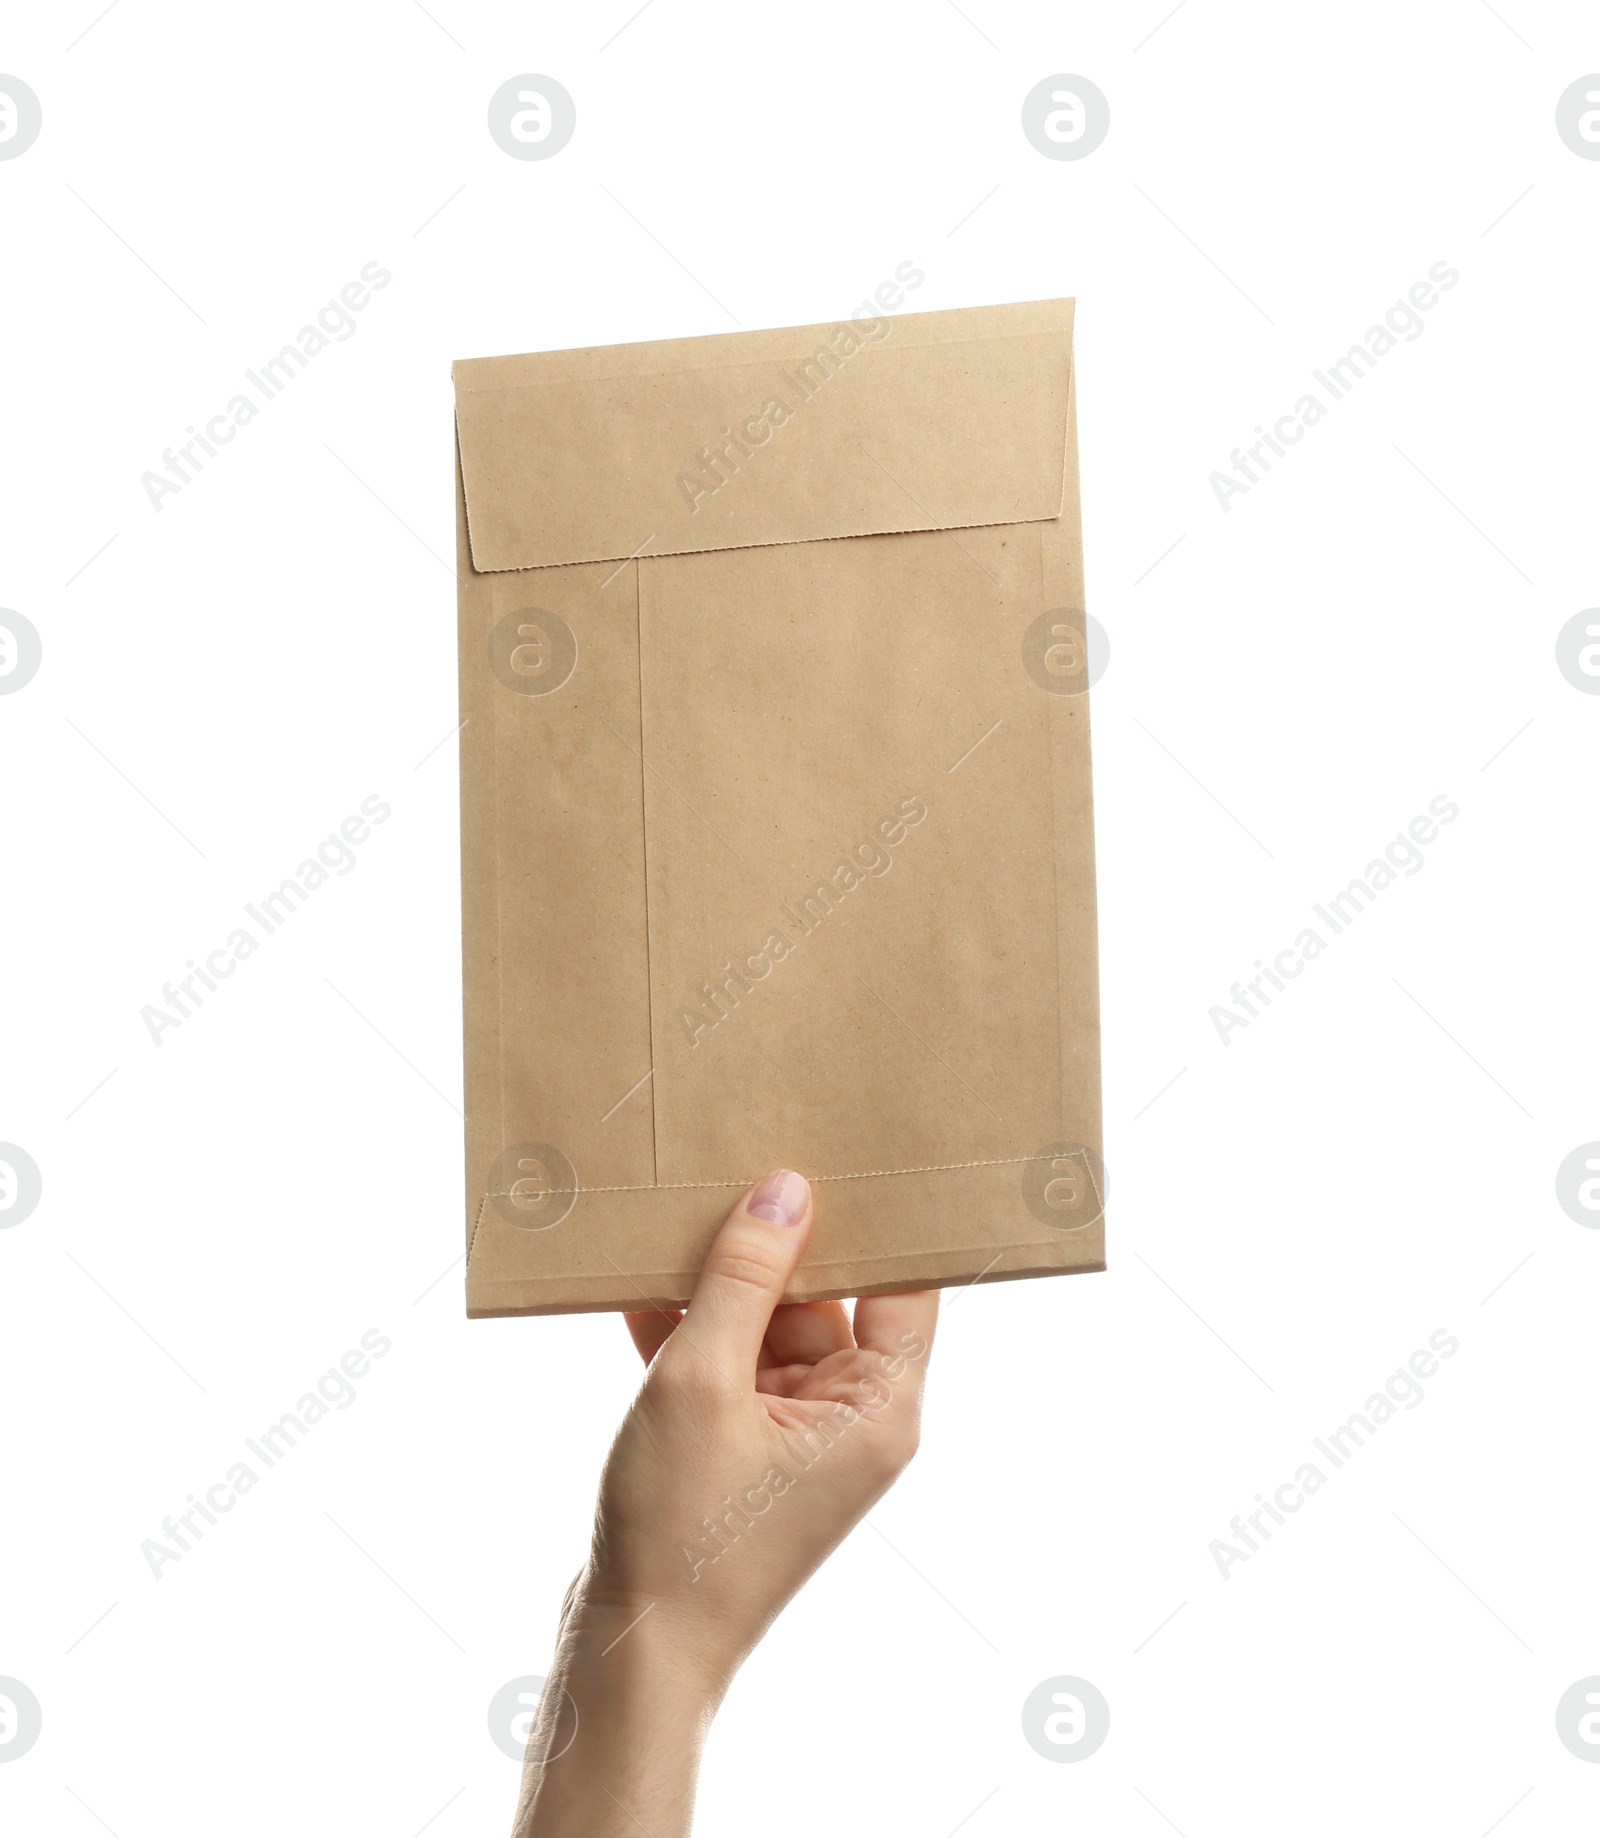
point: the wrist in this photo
(638, 1657)
(624, 1717)
(657, 1635)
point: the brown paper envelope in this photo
(777, 842)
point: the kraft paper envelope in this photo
(777, 844)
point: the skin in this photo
(781, 1425)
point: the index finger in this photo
(899, 1327)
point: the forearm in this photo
(616, 1749)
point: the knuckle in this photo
(746, 1263)
(864, 1378)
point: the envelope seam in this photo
(792, 355)
(1052, 751)
(644, 853)
(776, 542)
(472, 1236)
(835, 1263)
(867, 1174)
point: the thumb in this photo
(746, 1271)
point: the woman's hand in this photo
(760, 1437)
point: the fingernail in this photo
(780, 1199)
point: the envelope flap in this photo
(925, 421)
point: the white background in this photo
(1372, 626)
